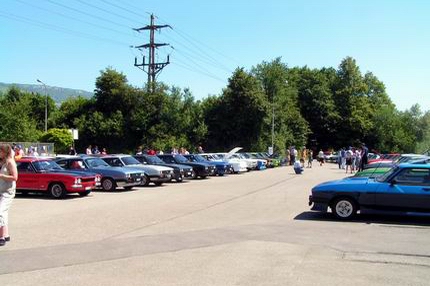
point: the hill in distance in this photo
(58, 94)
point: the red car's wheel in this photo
(57, 190)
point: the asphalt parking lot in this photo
(249, 229)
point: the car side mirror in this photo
(393, 182)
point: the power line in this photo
(58, 28)
(189, 39)
(88, 14)
(200, 66)
(195, 69)
(122, 8)
(74, 19)
(202, 59)
(102, 9)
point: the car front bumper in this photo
(318, 205)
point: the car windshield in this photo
(41, 166)
(129, 160)
(198, 158)
(154, 160)
(385, 176)
(181, 159)
(96, 162)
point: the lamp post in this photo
(273, 121)
(273, 118)
(46, 104)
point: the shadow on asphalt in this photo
(44, 196)
(371, 218)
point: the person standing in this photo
(304, 156)
(8, 178)
(200, 149)
(348, 155)
(364, 156)
(321, 157)
(88, 151)
(72, 151)
(310, 158)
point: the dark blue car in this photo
(221, 167)
(404, 188)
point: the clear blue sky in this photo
(67, 42)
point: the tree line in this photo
(323, 108)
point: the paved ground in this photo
(248, 229)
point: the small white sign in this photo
(270, 150)
(75, 133)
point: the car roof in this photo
(409, 165)
(33, 159)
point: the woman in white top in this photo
(8, 178)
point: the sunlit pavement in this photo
(249, 229)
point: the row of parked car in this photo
(80, 174)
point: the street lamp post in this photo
(46, 104)
(273, 122)
(273, 118)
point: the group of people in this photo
(89, 151)
(8, 178)
(353, 158)
(95, 150)
(174, 150)
(18, 151)
(350, 159)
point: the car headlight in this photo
(77, 181)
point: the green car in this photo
(372, 172)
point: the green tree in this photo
(237, 118)
(61, 138)
(290, 128)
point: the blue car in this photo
(221, 168)
(404, 188)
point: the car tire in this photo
(194, 175)
(203, 177)
(179, 179)
(84, 194)
(344, 208)
(128, 188)
(145, 181)
(108, 185)
(57, 191)
(158, 184)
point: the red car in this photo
(44, 175)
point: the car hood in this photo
(108, 170)
(158, 168)
(81, 173)
(345, 184)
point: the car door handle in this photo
(426, 189)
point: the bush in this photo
(62, 139)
